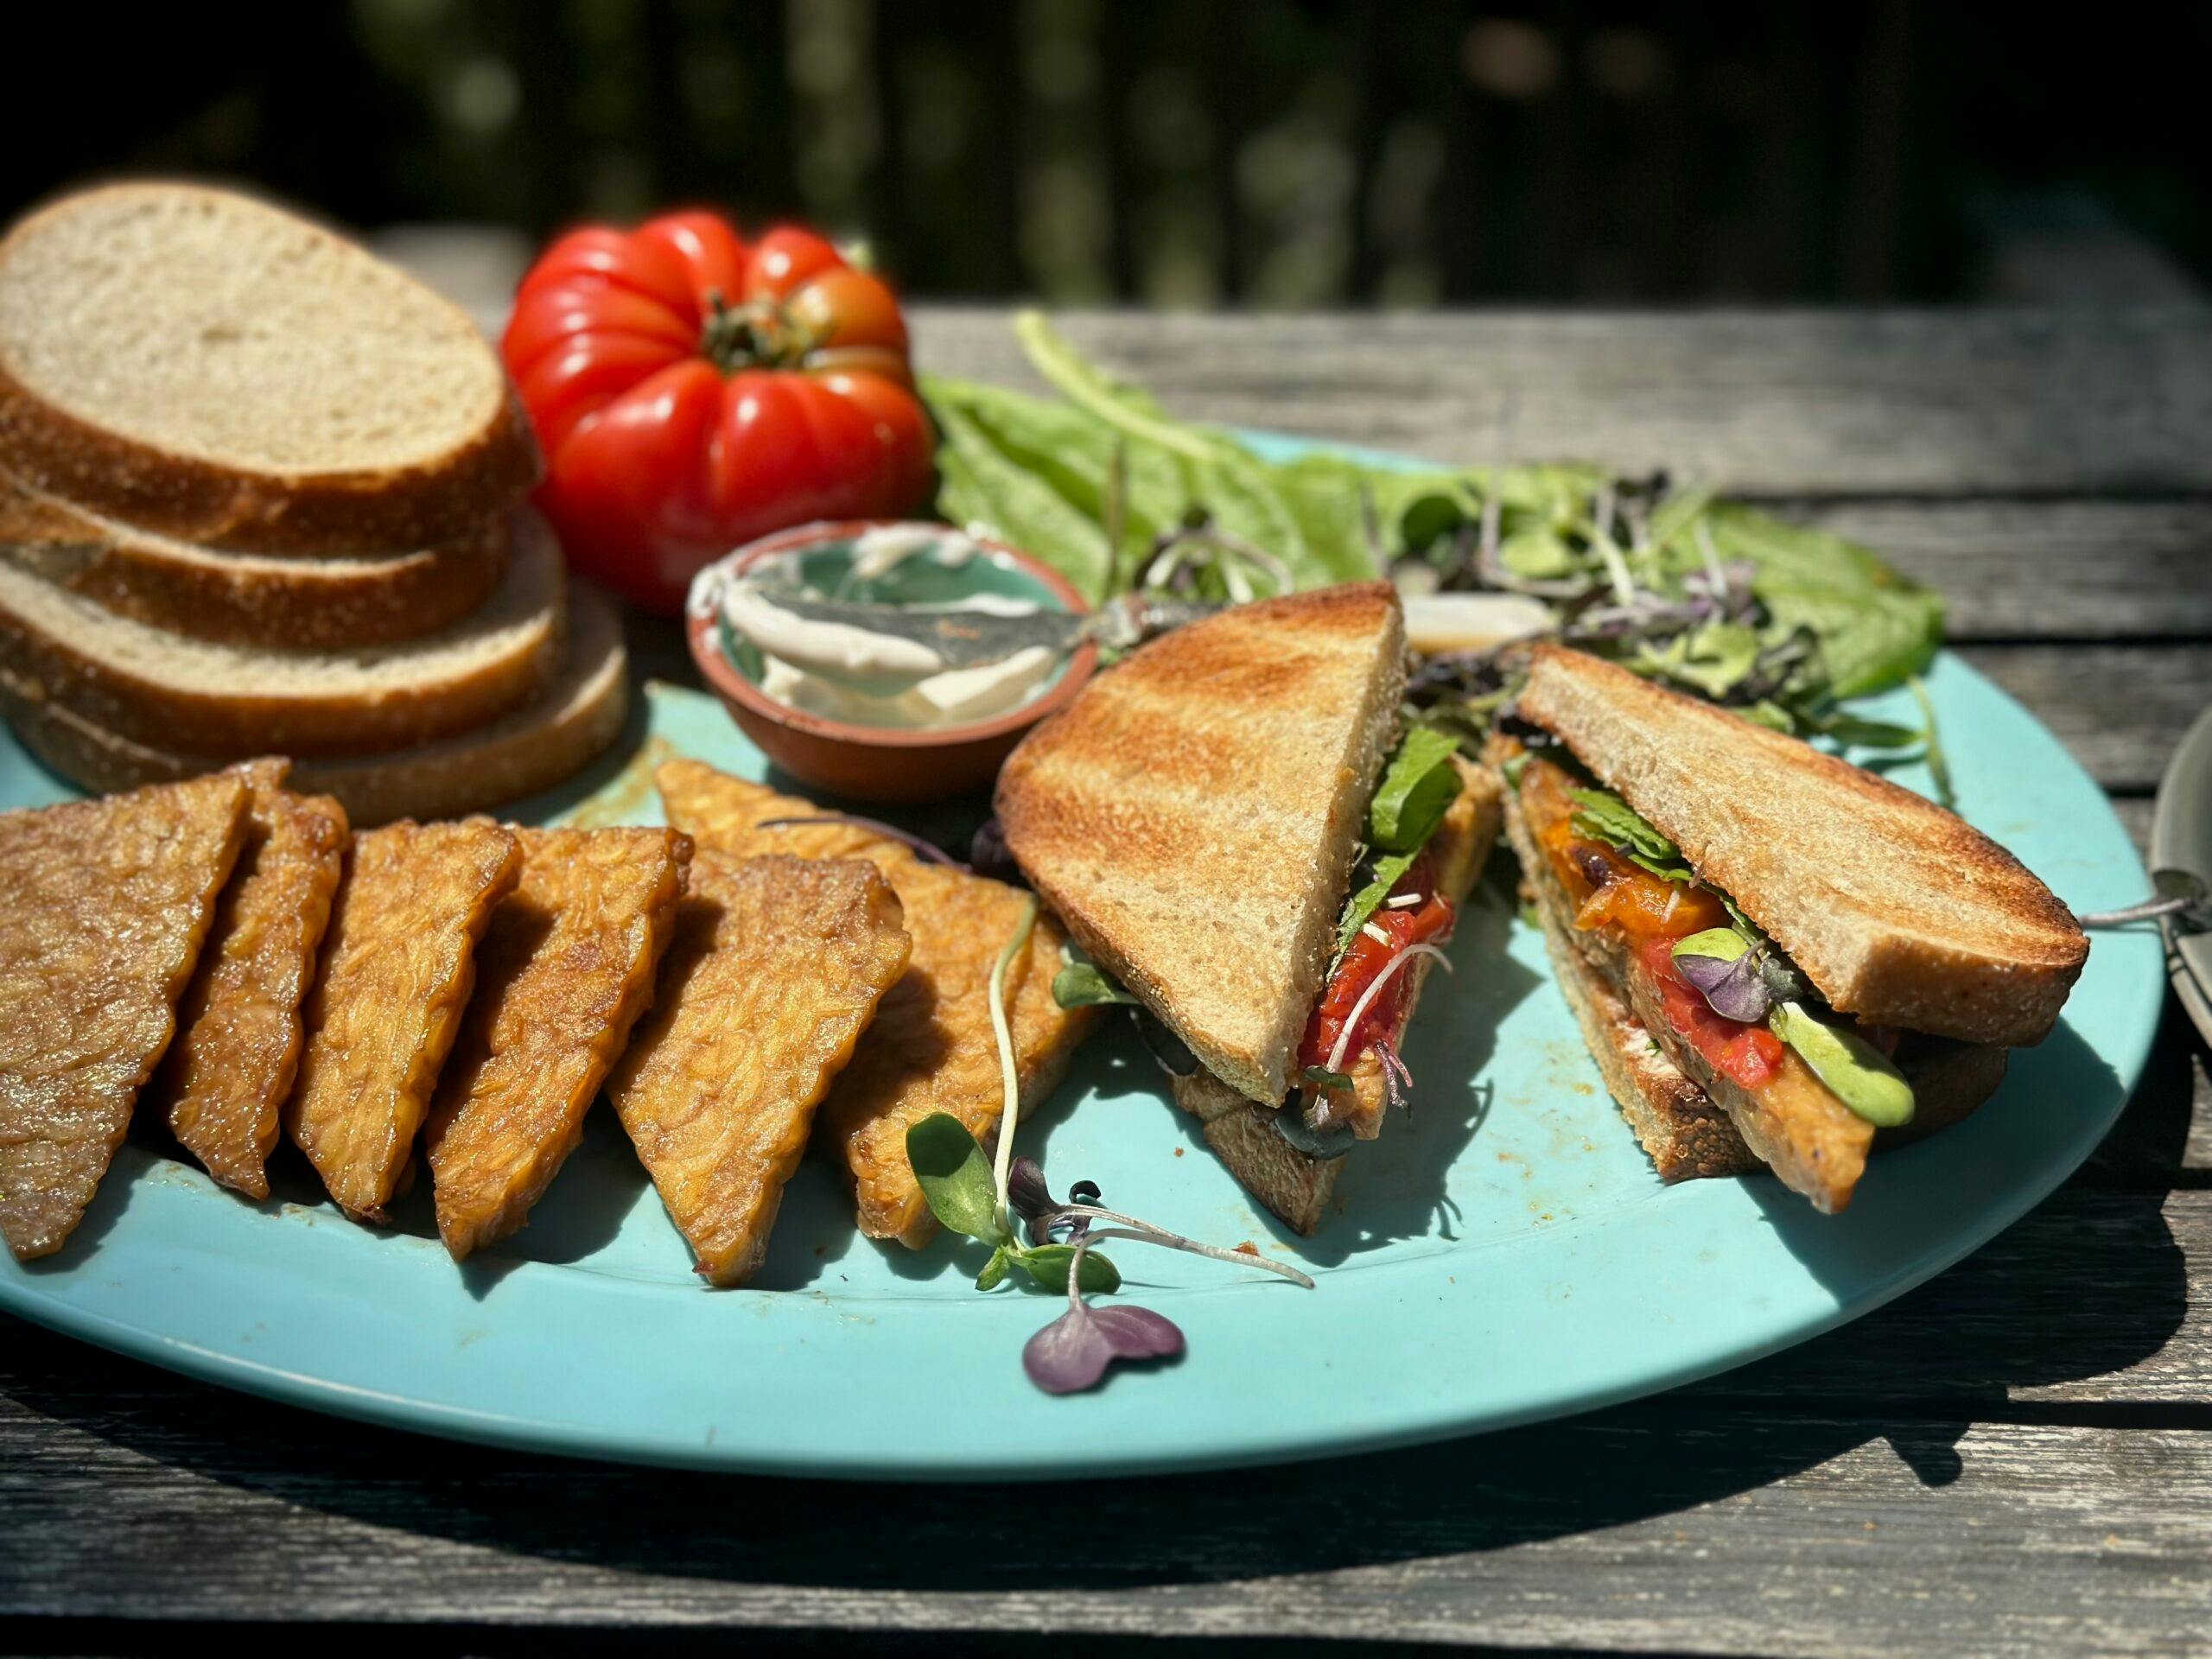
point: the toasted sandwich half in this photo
(1777, 957)
(1231, 825)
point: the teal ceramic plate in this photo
(1506, 1255)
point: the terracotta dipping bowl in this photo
(873, 763)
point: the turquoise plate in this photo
(1505, 1255)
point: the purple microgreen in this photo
(1072, 1352)
(1026, 1192)
(1736, 990)
(1397, 1079)
(928, 851)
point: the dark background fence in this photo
(1267, 152)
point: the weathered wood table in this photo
(2017, 1456)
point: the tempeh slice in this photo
(565, 969)
(396, 974)
(223, 1086)
(931, 1048)
(104, 906)
(775, 969)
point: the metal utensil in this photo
(972, 639)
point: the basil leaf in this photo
(955, 1176)
(1859, 1074)
(1082, 985)
(1418, 787)
(1368, 900)
(1048, 1265)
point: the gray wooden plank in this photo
(2074, 402)
(1660, 1527)
(2121, 709)
(2029, 569)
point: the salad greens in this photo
(1600, 815)
(1717, 598)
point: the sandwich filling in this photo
(1806, 1086)
(1398, 917)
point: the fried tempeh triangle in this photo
(396, 974)
(931, 1048)
(104, 906)
(565, 968)
(777, 969)
(223, 1086)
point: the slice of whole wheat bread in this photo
(1194, 813)
(229, 702)
(203, 365)
(531, 749)
(1895, 910)
(287, 600)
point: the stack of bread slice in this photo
(261, 493)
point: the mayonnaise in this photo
(847, 672)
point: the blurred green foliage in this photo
(1277, 152)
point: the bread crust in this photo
(426, 504)
(112, 685)
(335, 604)
(531, 749)
(1193, 814)
(1895, 909)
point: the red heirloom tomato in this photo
(691, 393)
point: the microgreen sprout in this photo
(980, 1197)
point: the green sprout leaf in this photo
(1322, 1078)
(1083, 985)
(995, 1270)
(954, 1177)
(1048, 1265)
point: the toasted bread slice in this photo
(1693, 1123)
(563, 971)
(162, 690)
(1296, 1185)
(931, 1048)
(396, 971)
(223, 1086)
(776, 971)
(104, 906)
(1895, 909)
(205, 365)
(519, 753)
(1194, 814)
(291, 603)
